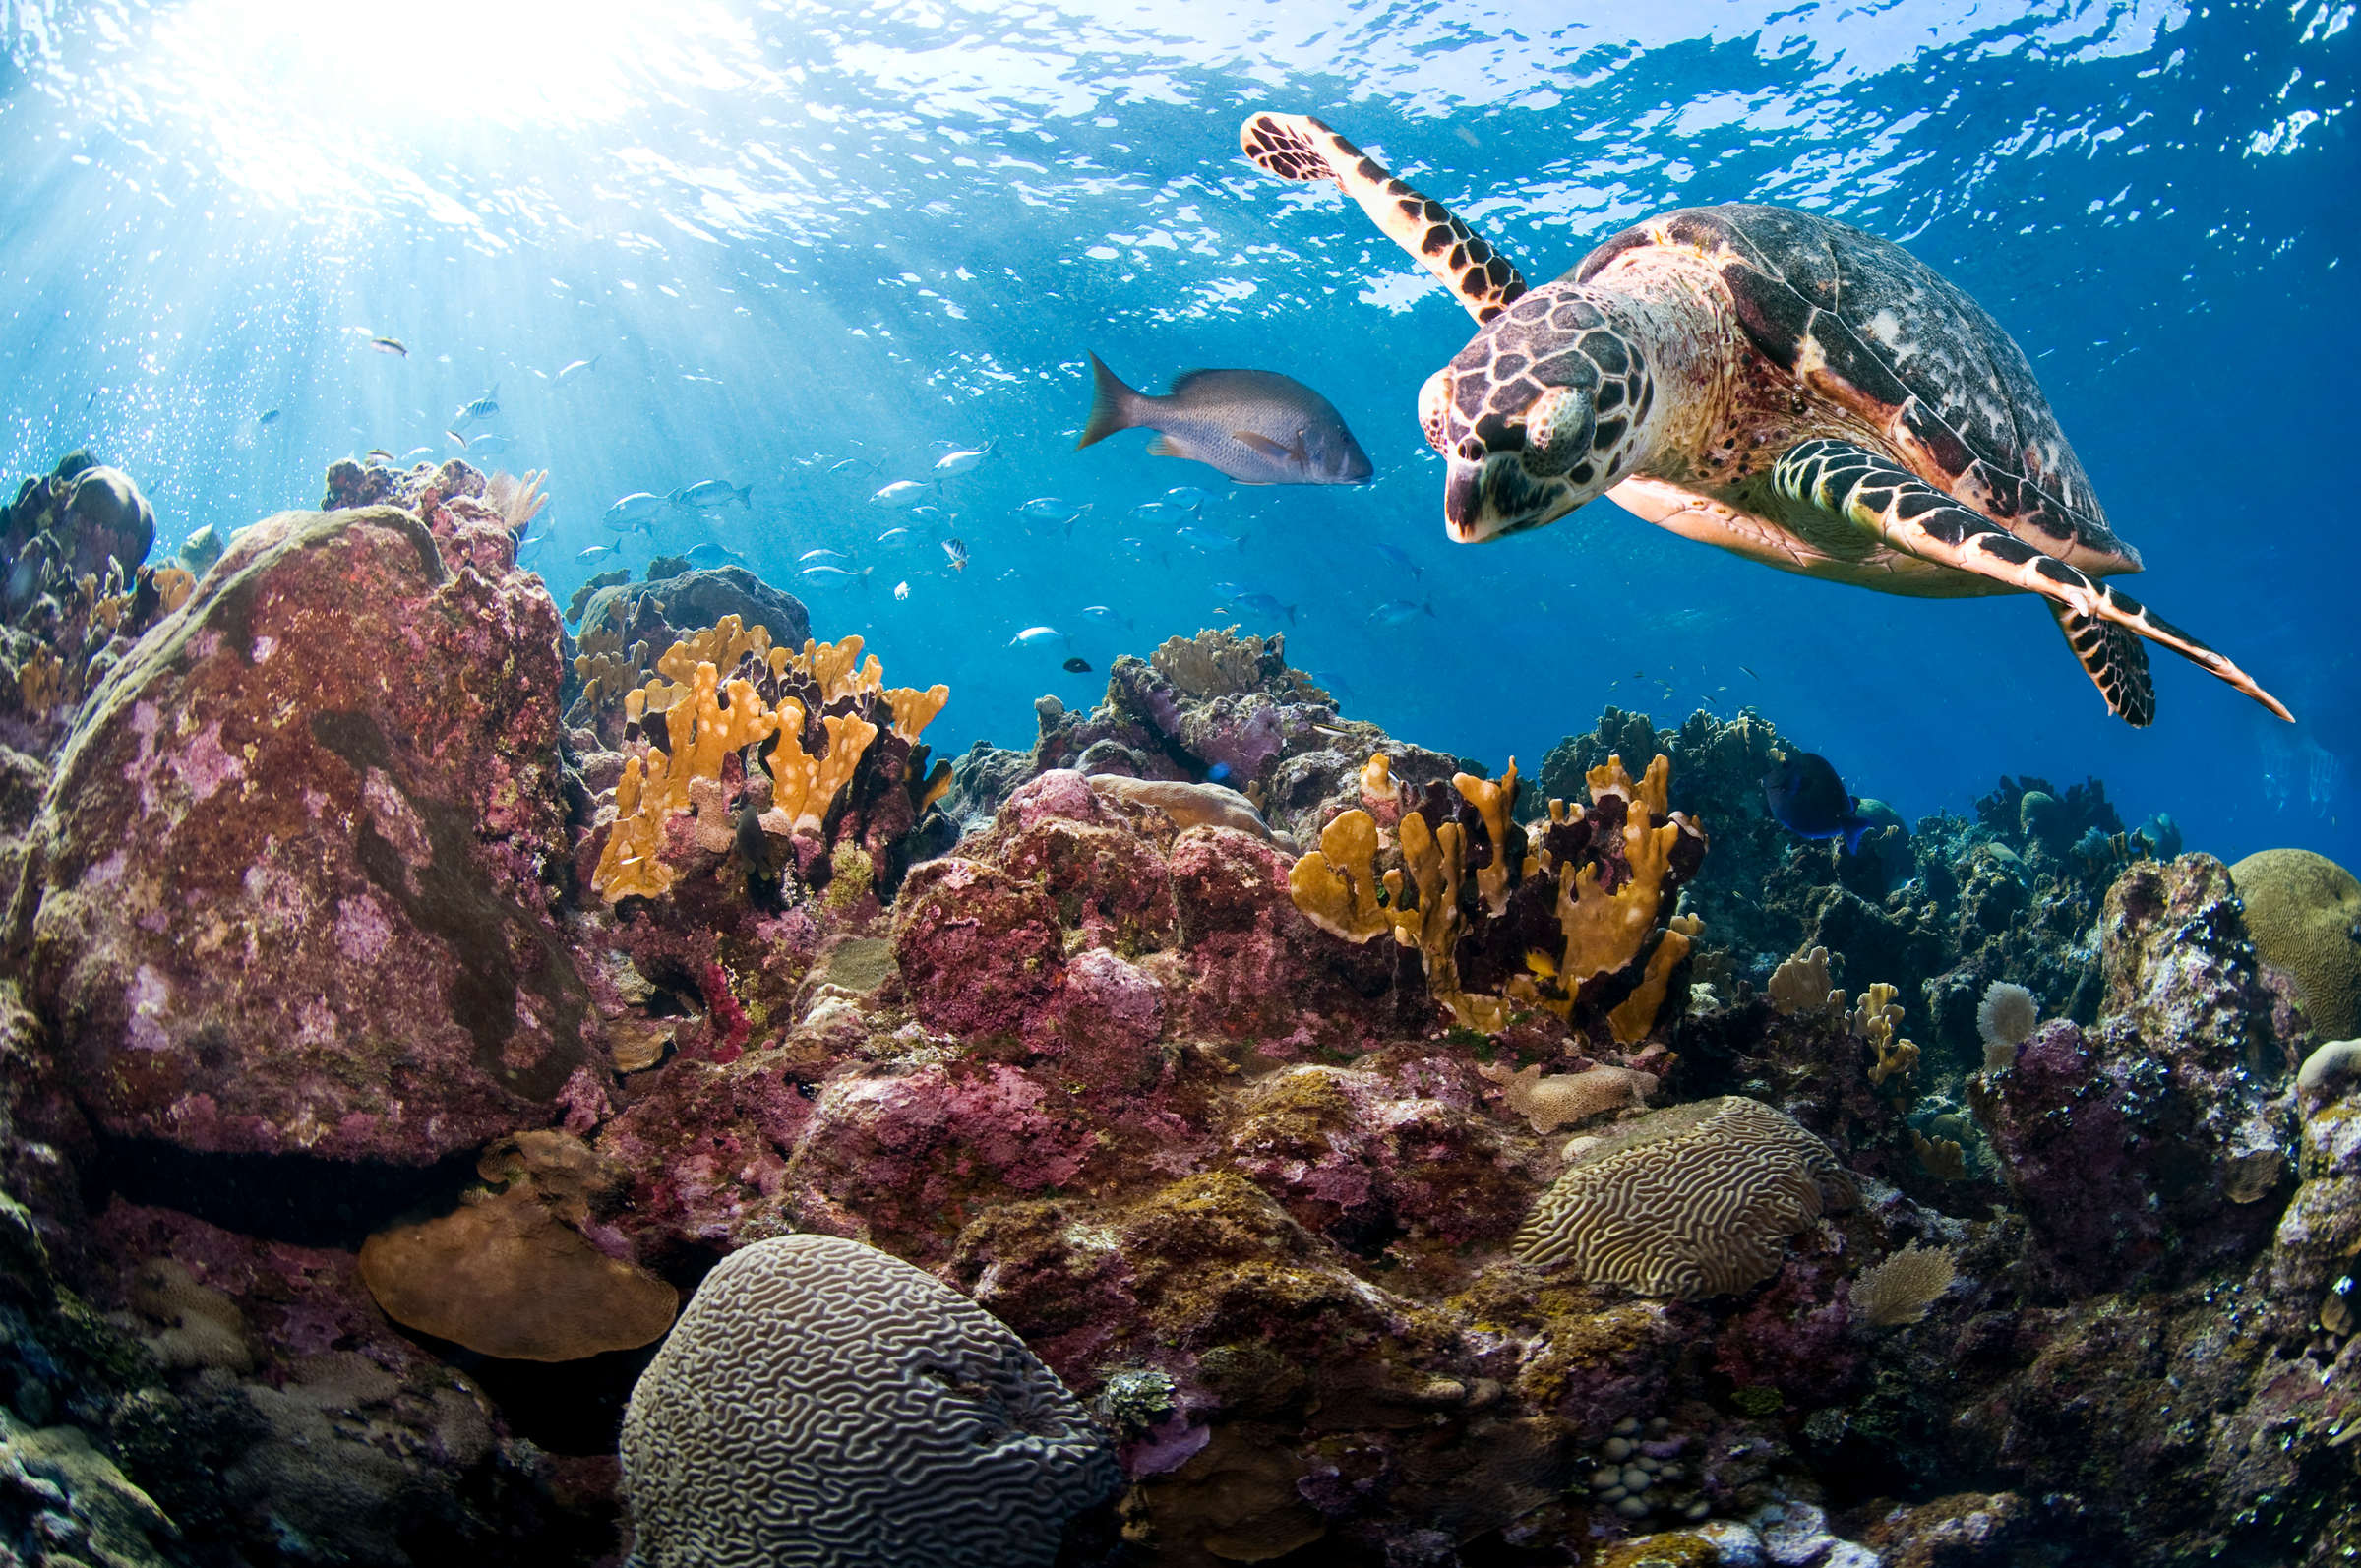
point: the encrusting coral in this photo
(818, 707)
(1551, 918)
(2304, 912)
(1568, 1099)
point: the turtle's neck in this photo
(1665, 305)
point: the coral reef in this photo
(1630, 1204)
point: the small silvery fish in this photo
(1188, 495)
(490, 444)
(960, 462)
(1106, 614)
(895, 538)
(710, 554)
(957, 551)
(1398, 556)
(1207, 539)
(635, 511)
(579, 368)
(1161, 511)
(1034, 636)
(930, 515)
(848, 464)
(416, 453)
(901, 493)
(389, 346)
(1262, 604)
(1256, 426)
(266, 417)
(375, 454)
(1052, 509)
(1401, 612)
(821, 554)
(707, 493)
(824, 572)
(595, 551)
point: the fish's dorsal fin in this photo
(1296, 147)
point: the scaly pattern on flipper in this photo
(2115, 662)
(1296, 147)
(1913, 516)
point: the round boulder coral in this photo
(1691, 1201)
(2304, 913)
(824, 1404)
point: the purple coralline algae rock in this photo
(285, 893)
(2143, 1148)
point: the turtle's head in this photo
(1542, 412)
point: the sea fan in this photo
(2005, 1018)
(1899, 1290)
(519, 501)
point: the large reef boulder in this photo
(285, 893)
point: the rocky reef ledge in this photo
(1222, 1133)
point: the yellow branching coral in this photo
(913, 711)
(1602, 876)
(837, 669)
(700, 732)
(1876, 1018)
(1636, 1015)
(173, 585)
(721, 645)
(1802, 985)
(1336, 884)
(804, 785)
(1606, 930)
(1943, 1159)
(1492, 800)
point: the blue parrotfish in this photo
(1806, 797)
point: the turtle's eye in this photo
(1557, 430)
(1433, 400)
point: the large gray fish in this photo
(1257, 426)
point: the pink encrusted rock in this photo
(1102, 1027)
(1110, 884)
(706, 1150)
(979, 950)
(287, 871)
(894, 1156)
(1061, 792)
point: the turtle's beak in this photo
(1486, 500)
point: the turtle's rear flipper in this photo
(1911, 515)
(1296, 147)
(2114, 660)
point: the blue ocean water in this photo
(812, 248)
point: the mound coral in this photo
(821, 1402)
(1555, 918)
(2304, 913)
(820, 708)
(1686, 1202)
(1565, 1099)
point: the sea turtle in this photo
(1780, 385)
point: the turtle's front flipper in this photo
(2113, 659)
(1296, 147)
(1913, 516)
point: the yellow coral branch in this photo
(1336, 884)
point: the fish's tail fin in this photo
(1854, 832)
(745, 497)
(1429, 607)
(1290, 615)
(1111, 404)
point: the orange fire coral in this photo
(820, 708)
(1601, 876)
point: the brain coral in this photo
(822, 1403)
(1690, 1201)
(2304, 912)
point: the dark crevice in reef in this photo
(284, 1198)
